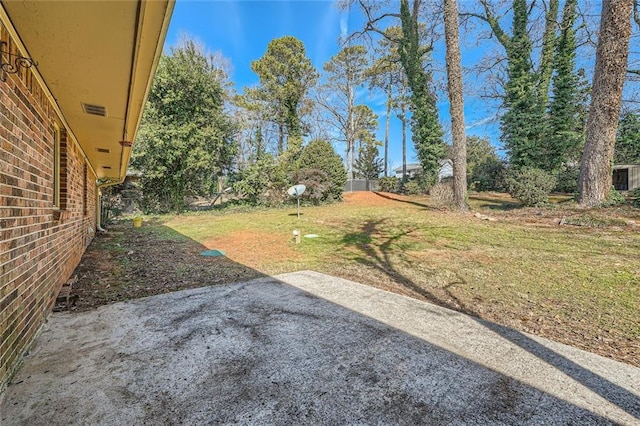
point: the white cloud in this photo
(344, 24)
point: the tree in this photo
(426, 130)
(627, 150)
(456, 103)
(185, 140)
(414, 57)
(320, 155)
(565, 121)
(525, 91)
(368, 164)
(606, 98)
(345, 73)
(286, 76)
(386, 73)
(523, 122)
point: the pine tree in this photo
(368, 165)
(286, 76)
(345, 73)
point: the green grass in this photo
(587, 276)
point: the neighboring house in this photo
(626, 177)
(444, 172)
(68, 116)
(413, 169)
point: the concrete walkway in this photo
(307, 348)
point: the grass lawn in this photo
(519, 267)
(578, 283)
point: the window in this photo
(56, 166)
(84, 189)
(59, 168)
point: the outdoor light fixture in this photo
(14, 63)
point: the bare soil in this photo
(127, 263)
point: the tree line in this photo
(555, 125)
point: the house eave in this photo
(101, 53)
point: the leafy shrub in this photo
(320, 155)
(487, 175)
(389, 184)
(635, 194)
(614, 199)
(442, 195)
(317, 183)
(262, 183)
(530, 185)
(412, 187)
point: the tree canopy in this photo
(286, 76)
(185, 139)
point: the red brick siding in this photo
(40, 245)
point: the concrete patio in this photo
(307, 348)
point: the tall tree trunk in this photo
(280, 139)
(606, 99)
(386, 130)
(456, 103)
(403, 118)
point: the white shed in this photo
(626, 177)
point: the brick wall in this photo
(40, 245)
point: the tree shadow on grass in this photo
(379, 257)
(496, 203)
(415, 203)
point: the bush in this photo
(262, 183)
(488, 175)
(412, 187)
(530, 185)
(389, 184)
(320, 155)
(636, 195)
(568, 179)
(614, 199)
(317, 183)
(442, 195)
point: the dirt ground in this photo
(127, 263)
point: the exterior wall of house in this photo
(40, 244)
(634, 177)
(626, 177)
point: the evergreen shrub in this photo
(530, 185)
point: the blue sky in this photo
(241, 30)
